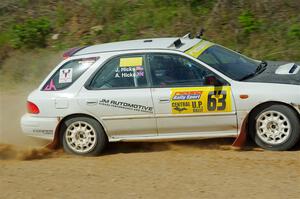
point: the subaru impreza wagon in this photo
(164, 89)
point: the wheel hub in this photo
(273, 127)
(81, 137)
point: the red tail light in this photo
(32, 108)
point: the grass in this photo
(252, 29)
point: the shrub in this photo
(32, 33)
(61, 15)
(248, 22)
(294, 31)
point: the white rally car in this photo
(164, 89)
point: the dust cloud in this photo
(13, 106)
(13, 144)
(13, 152)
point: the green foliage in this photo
(4, 38)
(248, 22)
(23, 3)
(229, 23)
(294, 31)
(32, 33)
(61, 15)
(4, 47)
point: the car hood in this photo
(279, 72)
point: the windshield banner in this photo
(199, 48)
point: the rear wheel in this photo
(275, 127)
(83, 136)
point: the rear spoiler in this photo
(72, 51)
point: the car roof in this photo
(141, 44)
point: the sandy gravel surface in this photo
(191, 169)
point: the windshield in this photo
(230, 63)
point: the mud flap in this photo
(240, 141)
(55, 144)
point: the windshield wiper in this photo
(259, 69)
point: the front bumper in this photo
(41, 127)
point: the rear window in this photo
(68, 73)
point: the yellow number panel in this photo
(200, 100)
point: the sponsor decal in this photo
(50, 86)
(124, 72)
(187, 95)
(42, 131)
(125, 105)
(200, 100)
(65, 75)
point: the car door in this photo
(190, 100)
(120, 96)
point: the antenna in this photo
(187, 36)
(201, 33)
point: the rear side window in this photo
(68, 73)
(121, 72)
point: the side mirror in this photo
(212, 80)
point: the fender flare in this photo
(56, 142)
(241, 139)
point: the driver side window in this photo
(170, 70)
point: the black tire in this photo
(288, 141)
(99, 137)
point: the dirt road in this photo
(194, 169)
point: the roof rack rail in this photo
(187, 36)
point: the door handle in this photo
(164, 100)
(91, 102)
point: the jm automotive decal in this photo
(125, 105)
(200, 100)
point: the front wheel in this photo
(83, 136)
(275, 127)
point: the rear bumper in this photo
(40, 127)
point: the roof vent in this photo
(177, 43)
(288, 69)
(293, 69)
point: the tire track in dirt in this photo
(183, 169)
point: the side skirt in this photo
(173, 136)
